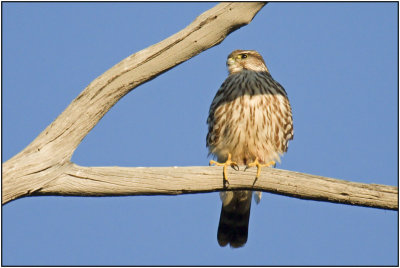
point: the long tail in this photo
(234, 220)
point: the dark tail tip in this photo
(233, 228)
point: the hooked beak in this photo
(230, 61)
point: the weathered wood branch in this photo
(114, 181)
(44, 167)
(44, 159)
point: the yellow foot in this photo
(228, 162)
(259, 166)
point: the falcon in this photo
(249, 123)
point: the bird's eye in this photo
(244, 56)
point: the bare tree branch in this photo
(45, 158)
(44, 167)
(114, 181)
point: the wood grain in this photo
(44, 167)
(44, 159)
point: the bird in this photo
(249, 123)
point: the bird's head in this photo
(240, 60)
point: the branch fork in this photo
(44, 167)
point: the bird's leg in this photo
(259, 166)
(227, 163)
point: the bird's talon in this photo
(227, 163)
(226, 182)
(259, 166)
(255, 180)
(235, 166)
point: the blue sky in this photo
(338, 64)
